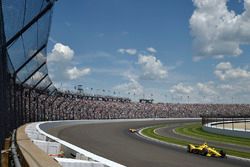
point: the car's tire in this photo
(189, 149)
(195, 151)
(222, 153)
(204, 151)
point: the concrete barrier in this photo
(31, 155)
(51, 148)
(66, 162)
(210, 127)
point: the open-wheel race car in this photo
(132, 130)
(205, 150)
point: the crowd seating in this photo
(68, 105)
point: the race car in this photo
(132, 130)
(205, 150)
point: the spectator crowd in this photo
(67, 105)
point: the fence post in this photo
(216, 122)
(44, 111)
(30, 115)
(37, 109)
(22, 107)
(223, 123)
(232, 123)
(245, 124)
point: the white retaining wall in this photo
(66, 162)
(226, 131)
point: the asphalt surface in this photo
(168, 131)
(113, 141)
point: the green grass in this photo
(150, 133)
(195, 130)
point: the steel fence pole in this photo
(223, 123)
(30, 116)
(245, 124)
(25, 107)
(37, 109)
(22, 107)
(232, 123)
(44, 110)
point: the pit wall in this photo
(211, 127)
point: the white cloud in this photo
(224, 66)
(151, 49)
(217, 31)
(225, 71)
(225, 87)
(237, 91)
(206, 92)
(206, 88)
(152, 67)
(181, 89)
(60, 53)
(132, 86)
(60, 64)
(128, 51)
(74, 73)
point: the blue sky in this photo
(173, 51)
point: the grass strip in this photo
(195, 130)
(149, 132)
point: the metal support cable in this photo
(30, 58)
(39, 81)
(33, 73)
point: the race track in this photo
(113, 141)
(168, 131)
